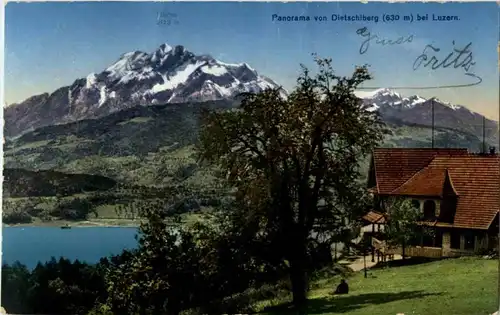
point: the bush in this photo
(334, 270)
(33, 211)
(17, 217)
(491, 253)
(247, 301)
(185, 171)
(75, 209)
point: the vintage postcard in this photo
(243, 157)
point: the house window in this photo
(455, 240)
(429, 209)
(469, 240)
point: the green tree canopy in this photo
(295, 160)
(404, 223)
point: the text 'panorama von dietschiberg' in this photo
(387, 18)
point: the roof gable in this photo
(448, 187)
(476, 181)
(426, 182)
(394, 166)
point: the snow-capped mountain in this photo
(167, 75)
(385, 97)
(416, 110)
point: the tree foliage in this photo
(176, 269)
(294, 161)
(404, 225)
(55, 287)
(293, 168)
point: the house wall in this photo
(482, 239)
(493, 233)
(480, 242)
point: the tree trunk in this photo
(298, 278)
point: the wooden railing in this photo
(410, 251)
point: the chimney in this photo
(492, 150)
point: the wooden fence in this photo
(422, 251)
(410, 251)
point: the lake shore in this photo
(80, 224)
(102, 222)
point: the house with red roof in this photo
(456, 192)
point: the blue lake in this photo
(32, 244)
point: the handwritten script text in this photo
(457, 58)
(369, 38)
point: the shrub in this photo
(17, 217)
(75, 209)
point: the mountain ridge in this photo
(174, 75)
(417, 110)
(167, 75)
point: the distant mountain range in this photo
(167, 75)
(417, 111)
(175, 75)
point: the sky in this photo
(49, 44)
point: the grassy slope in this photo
(466, 286)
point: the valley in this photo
(132, 159)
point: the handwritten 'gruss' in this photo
(365, 33)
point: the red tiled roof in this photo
(476, 179)
(426, 182)
(394, 166)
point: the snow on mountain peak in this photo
(182, 75)
(214, 69)
(91, 80)
(388, 98)
(169, 74)
(165, 48)
(448, 104)
(376, 93)
(386, 92)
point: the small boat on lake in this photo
(67, 226)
